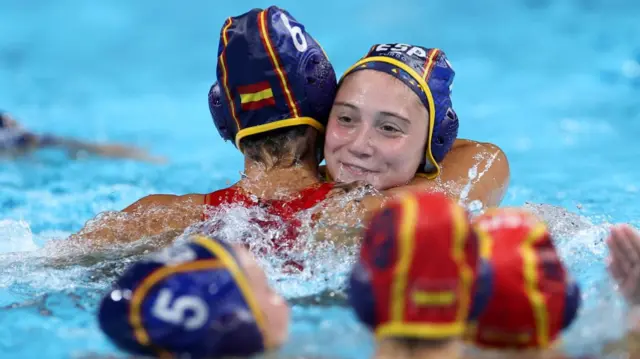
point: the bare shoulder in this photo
(491, 149)
(466, 153)
(461, 142)
(469, 147)
(165, 200)
(473, 170)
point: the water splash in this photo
(16, 236)
(64, 280)
(474, 175)
(581, 245)
(325, 259)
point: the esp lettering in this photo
(408, 49)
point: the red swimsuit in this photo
(286, 210)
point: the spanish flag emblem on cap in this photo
(419, 269)
(256, 96)
(271, 74)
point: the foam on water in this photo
(58, 286)
(15, 236)
(61, 283)
(325, 261)
(582, 247)
(558, 92)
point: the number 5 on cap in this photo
(177, 313)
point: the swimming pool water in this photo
(555, 84)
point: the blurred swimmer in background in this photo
(15, 141)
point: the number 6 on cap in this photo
(299, 41)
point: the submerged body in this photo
(17, 141)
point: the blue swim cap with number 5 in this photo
(192, 299)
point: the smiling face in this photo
(376, 132)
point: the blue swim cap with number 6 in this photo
(192, 299)
(271, 74)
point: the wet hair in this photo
(416, 344)
(284, 147)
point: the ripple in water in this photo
(582, 247)
(56, 288)
(325, 263)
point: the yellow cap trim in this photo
(406, 238)
(535, 295)
(225, 76)
(425, 87)
(440, 298)
(264, 30)
(241, 280)
(276, 125)
(431, 331)
(460, 233)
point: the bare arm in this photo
(343, 215)
(106, 150)
(471, 171)
(626, 347)
(149, 216)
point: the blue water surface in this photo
(554, 83)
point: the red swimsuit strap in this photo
(303, 200)
(225, 196)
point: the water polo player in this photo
(421, 275)
(204, 298)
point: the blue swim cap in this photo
(428, 73)
(192, 299)
(271, 74)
